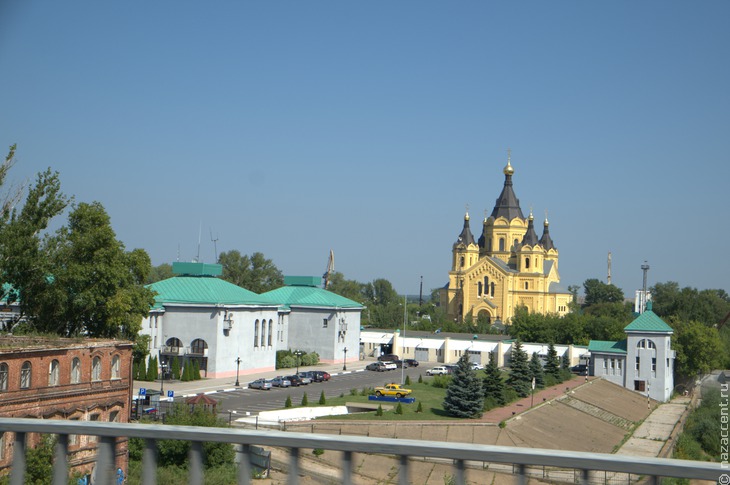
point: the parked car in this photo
(580, 369)
(451, 368)
(305, 378)
(390, 365)
(439, 370)
(295, 380)
(476, 366)
(280, 381)
(388, 358)
(262, 384)
(376, 366)
(321, 375)
(411, 362)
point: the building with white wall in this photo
(643, 362)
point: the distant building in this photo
(76, 379)
(508, 266)
(318, 320)
(200, 317)
(643, 362)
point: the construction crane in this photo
(330, 269)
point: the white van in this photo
(439, 370)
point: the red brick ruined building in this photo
(76, 379)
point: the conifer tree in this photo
(196, 370)
(287, 403)
(493, 384)
(322, 399)
(565, 363)
(464, 394)
(152, 369)
(552, 365)
(175, 368)
(142, 371)
(536, 371)
(135, 371)
(520, 378)
(305, 400)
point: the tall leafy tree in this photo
(520, 377)
(381, 292)
(597, 291)
(464, 394)
(95, 287)
(699, 348)
(348, 288)
(255, 273)
(24, 262)
(492, 383)
(537, 372)
(552, 364)
(159, 273)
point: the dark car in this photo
(313, 376)
(376, 366)
(580, 369)
(388, 358)
(411, 362)
(324, 376)
(318, 375)
(295, 380)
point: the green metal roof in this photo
(648, 322)
(204, 290)
(607, 346)
(309, 296)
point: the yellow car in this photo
(392, 390)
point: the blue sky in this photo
(292, 128)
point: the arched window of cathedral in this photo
(486, 284)
(462, 261)
(527, 285)
(516, 242)
(527, 263)
(501, 244)
(479, 288)
(492, 290)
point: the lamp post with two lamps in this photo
(298, 353)
(344, 363)
(238, 364)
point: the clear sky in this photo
(292, 128)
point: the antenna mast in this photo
(200, 232)
(644, 296)
(215, 244)
(608, 280)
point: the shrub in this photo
(367, 391)
(305, 400)
(287, 362)
(322, 399)
(419, 409)
(408, 381)
(399, 409)
(318, 452)
(503, 424)
(490, 403)
(287, 403)
(420, 378)
(441, 382)
(353, 392)
(379, 411)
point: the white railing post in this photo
(60, 463)
(195, 476)
(17, 474)
(149, 462)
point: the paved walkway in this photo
(653, 433)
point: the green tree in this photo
(552, 364)
(152, 369)
(492, 383)
(381, 292)
(464, 394)
(39, 462)
(699, 348)
(96, 286)
(159, 273)
(288, 403)
(305, 400)
(196, 370)
(520, 378)
(175, 368)
(142, 371)
(597, 291)
(322, 399)
(536, 371)
(255, 273)
(348, 288)
(706, 306)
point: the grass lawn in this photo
(431, 399)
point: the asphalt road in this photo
(253, 401)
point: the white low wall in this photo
(294, 414)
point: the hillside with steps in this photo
(597, 412)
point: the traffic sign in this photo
(170, 393)
(142, 391)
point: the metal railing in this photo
(460, 454)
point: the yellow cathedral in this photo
(508, 267)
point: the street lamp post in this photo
(298, 353)
(238, 364)
(344, 364)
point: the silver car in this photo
(260, 384)
(280, 381)
(305, 379)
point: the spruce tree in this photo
(135, 371)
(287, 403)
(464, 394)
(536, 371)
(520, 378)
(196, 370)
(152, 369)
(175, 368)
(322, 399)
(552, 365)
(305, 400)
(493, 384)
(142, 371)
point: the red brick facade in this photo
(76, 379)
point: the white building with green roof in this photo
(200, 317)
(319, 320)
(643, 362)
